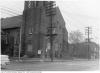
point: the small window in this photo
(30, 31)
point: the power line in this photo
(11, 15)
(7, 14)
(10, 11)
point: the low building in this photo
(11, 27)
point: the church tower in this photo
(35, 43)
(33, 38)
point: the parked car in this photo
(4, 60)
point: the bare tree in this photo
(75, 36)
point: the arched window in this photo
(29, 4)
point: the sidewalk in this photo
(47, 60)
(39, 60)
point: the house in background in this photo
(83, 50)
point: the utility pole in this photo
(50, 11)
(88, 32)
(40, 36)
(20, 42)
(39, 30)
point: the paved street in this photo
(68, 65)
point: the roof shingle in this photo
(11, 22)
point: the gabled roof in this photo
(11, 22)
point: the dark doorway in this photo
(7, 45)
(10, 46)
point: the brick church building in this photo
(31, 28)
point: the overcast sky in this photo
(77, 14)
